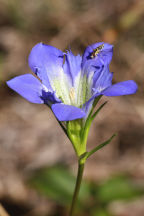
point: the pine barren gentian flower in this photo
(72, 86)
(67, 83)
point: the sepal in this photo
(74, 130)
(89, 120)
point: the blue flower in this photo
(69, 84)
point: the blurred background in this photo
(37, 162)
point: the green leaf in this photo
(118, 188)
(57, 183)
(96, 100)
(100, 146)
(98, 110)
(99, 212)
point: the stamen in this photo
(72, 94)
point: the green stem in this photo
(77, 187)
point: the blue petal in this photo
(65, 112)
(121, 88)
(91, 66)
(97, 72)
(72, 66)
(103, 81)
(45, 61)
(105, 54)
(28, 87)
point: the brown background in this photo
(30, 137)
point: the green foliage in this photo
(100, 212)
(58, 183)
(100, 146)
(118, 188)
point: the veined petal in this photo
(28, 87)
(72, 65)
(95, 68)
(65, 112)
(91, 73)
(121, 88)
(45, 61)
(104, 54)
(97, 82)
(44, 55)
(103, 81)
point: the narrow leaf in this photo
(90, 119)
(96, 100)
(100, 146)
(98, 110)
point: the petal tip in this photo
(27, 86)
(65, 112)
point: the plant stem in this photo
(77, 187)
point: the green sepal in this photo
(89, 120)
(74, 130)
(77, 131)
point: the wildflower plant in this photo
(71, 87)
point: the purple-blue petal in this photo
(121, 88)
(105, 54)
(45, 61)
(72, 65)
(88, 104)
(103, 81)
(65, 112)
(28, 87)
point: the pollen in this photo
(72, 94)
